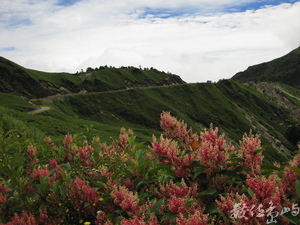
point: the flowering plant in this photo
(182, 177)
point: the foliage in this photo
(224, 103)
(182, 177)
(15, 102)
(284, 69)
(38, 84)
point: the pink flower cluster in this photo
(213, 151)
(3, 191)
(68, 140)
(290, 176)
(250, 151)
(27, 218)
(81, 192)
(31, 150)
(195, 218)
(184, 174)
(177, 129)
(42, 172)
(169, 153)
(126, 199)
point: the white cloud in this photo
(197, 47)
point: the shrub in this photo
(181, 178)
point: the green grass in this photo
(199, 105)
(10, 119)
(37, 84)
(15, 101)
(284, 69)
(57, 79)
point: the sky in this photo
(198, 40)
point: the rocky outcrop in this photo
(277, 94)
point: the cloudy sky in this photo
(197, 39)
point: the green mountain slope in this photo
(126, 102)
(285, 69)
(234, 108)
(38, 84)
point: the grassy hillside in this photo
(234, 108)
(38, 84)
(285, 69)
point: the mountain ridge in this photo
(230, 104)
(38, 84)
(285, 69)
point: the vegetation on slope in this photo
(183, 177)
(37, 84)
(226, 104)
(285, 69)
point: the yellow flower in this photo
(101, 199)
(87, 223)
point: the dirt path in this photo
(51, 99)
(41, 109)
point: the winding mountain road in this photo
(40, 109)
(51, 99)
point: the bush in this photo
(181, 178)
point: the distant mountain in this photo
(37, 84)
(108, 98)
(285, 69)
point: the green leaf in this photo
(131, 140)
(102, 179)
(86, 204)
(298, 187)
(269, 167)
(66, 177)
(233, 175)
(141, 183)
(259, 150)
(12, 146)
(187, 152)
(209, 191)
(212, 208)
(178, 184)
(129, 152)
(138, 154)
(62, 191)
(165, 177)
(10, 132)
(238, 159)
(297, 170)
(101, 184)
(157, 206)
(199, 171)
(194, 164)
(289, 217)
(60, 151)
(250, 191)
(19, 171)
(17, 160)
(240, 168)
(170, 216)
(233, 164)
(154, 170)
(55, 187)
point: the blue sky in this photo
(197, 39)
